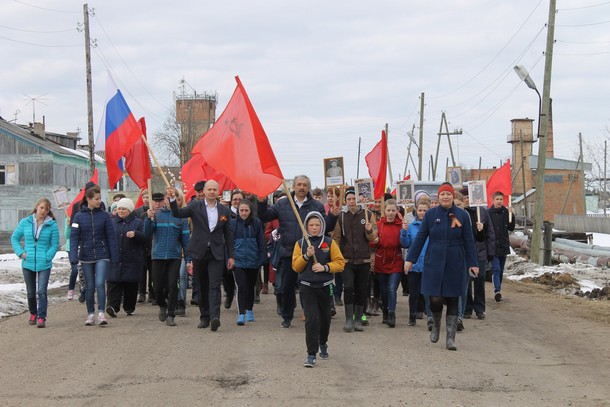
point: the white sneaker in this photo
(90, 320)
(70, 295)
(101, 318)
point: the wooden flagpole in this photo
(156, 162)
(296, 213)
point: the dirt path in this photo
(534, 349)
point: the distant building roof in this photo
(553, 163)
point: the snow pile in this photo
(13, 299)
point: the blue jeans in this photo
(497, 267)
(29, 276)
(388, 284)
(182, 282)
(95, 279)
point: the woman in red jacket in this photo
(388, 260)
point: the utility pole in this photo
(89, 91)
(438, 144)
(420, 153)
(542, 141)
(358, 165)
(582, 174)
(387, 134)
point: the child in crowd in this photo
(316, 260)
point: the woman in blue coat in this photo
(40, 236)
(93, 244)
(250, 255)
(123, 277)
(450, 251)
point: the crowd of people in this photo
(334, 253)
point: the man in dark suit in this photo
(211, 237)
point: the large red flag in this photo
(500, 181)
(237, 146)
(80, 195)
(196, 169)
(137, 162)
(377, 161)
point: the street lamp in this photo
(539, 207)
(525, 77)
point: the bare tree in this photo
(166, 140)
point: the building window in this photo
(8, 174)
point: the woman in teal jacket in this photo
(40, 236)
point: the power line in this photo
(584, 7)
(495, 56)
(35, 31)
(46, 9)
(41, 45)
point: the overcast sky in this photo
(320, 74)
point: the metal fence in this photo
(597, 223)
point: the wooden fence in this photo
(579, 223)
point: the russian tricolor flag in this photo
(118, 132)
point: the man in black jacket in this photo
(500, 220)
(211, 237)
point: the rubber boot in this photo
(436, 326)
(391, 319)
(349, 318)
(451, 328)
(359, 309)
(385, 316)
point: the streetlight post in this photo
(543, 126)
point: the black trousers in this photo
(128, 292)
(246, 282)
(316, 304)
(209, 273)
(414, 288)
(355, 283)
(166, 276)
(228, 283)
(147, 280)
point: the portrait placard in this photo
(405, 192)
(477, 193)
(333, 171)
(364, 191)
(61, 197)
(226, 195)
(454, 175)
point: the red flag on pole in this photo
(196, 169)
(80, 195)
(237, 147)
(377, 161)
(500, 181)
(137, 161)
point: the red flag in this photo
(237, 146)
(80, 195)
(196, 169)
(500, 181)
(140, 201)
(137, 162)
(377, 161)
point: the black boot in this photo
(349, 318)
(391, 319)
(385, 316)
(436, 326)
(278, 302)
(358, 318)
(412, 319)
(451, 328)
